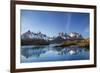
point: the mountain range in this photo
(39, 38)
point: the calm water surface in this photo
(47, 53)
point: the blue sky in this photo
(52, 22)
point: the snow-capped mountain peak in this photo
(31, 35)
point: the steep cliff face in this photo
(74, 35)
(29, 37)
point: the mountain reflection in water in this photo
(49, 53)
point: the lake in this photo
(48, 53)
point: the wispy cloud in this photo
(68, 22)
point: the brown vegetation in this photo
(79, 43)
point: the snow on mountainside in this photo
(60, 36)
(72, 35)
(75, 35)
(31, 35)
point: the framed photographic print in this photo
(52, 36)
